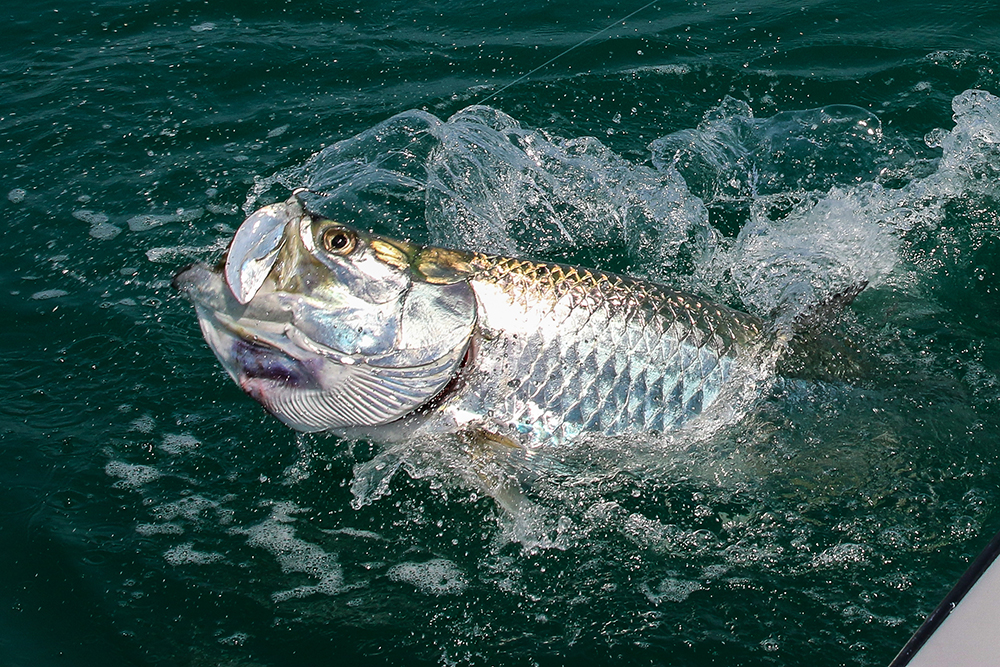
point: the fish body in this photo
(334, 329)
(563, 350)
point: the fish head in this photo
(329, 327)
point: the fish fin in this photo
(481, 440)
(822, 356)
(482, 459)
(493, 459)
(441, 266)
(815, 354)
(372, 478)
(826, 310)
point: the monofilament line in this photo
(575, 46)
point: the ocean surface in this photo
(766, 154)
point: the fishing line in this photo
(575, 46)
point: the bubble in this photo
(278, 131)
(144, 424)
(104, 231)
(237, 638)
(194, 509)
(186, 554)
(842, 555)
(46, 294)
(277, 536)
(670, 590)
(17, 195)
(148, 529)
(93, 217)
(174, 443)
(132, 475)
(216, 209)
(172, 254)
(434, 577)
(147, 221)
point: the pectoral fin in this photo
(490, 457)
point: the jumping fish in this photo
(331, 328)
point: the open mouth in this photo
(283, 385)
(258, 362)
(257, 366)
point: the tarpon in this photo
(332, 328)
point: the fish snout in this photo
(182, 280)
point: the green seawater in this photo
(152, 514)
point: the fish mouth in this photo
(265, 373)
(179, 282)
(261, 362)
(204, 286)
(251, 357)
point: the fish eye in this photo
(339, 240)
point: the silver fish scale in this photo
(566, 350)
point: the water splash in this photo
(732, 155)
(481, 181)
(817, 220)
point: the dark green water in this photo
(150, 514)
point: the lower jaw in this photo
(254, 367)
